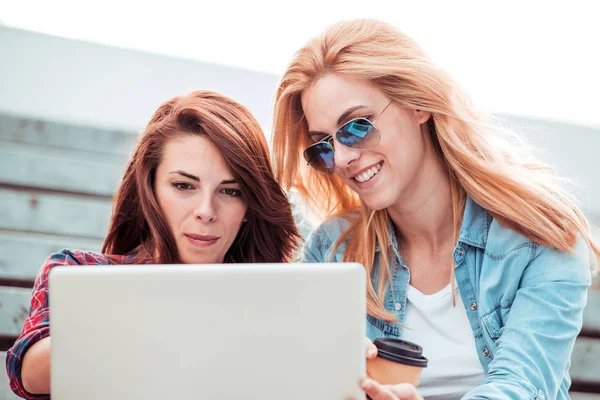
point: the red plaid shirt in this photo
(37, 325)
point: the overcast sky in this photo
(530, 58)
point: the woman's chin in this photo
(194, 259)
(376, 203)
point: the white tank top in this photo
(444, 333)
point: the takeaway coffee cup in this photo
(397, 361)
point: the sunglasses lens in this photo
(320, 157)
(358, 134)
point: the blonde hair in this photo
(491, 165)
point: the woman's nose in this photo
(206, 210)
(343, 155)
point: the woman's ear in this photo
(422, 116)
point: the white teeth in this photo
(365, 176)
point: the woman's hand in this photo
(401, 391)
(376, 391)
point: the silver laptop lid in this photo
(227, 331)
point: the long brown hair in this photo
(138, 226)
(490, 165)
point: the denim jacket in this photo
(524, 302)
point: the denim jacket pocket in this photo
(495, 320)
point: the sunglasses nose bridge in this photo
(343, 147)
(344, 155)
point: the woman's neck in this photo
(424, 216)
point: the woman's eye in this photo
(232, 192)
(183, 186)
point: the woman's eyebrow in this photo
(197, 179)
(347, 113)
(187, 175)
(340, 120)
(317, 133)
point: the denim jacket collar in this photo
(475, 225)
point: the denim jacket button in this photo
(485, 352)
(473, 306)
(398, 306)
(461, 252)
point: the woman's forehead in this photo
(197, 155)
(331, 96)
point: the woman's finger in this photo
(375, 391)
(371, 349)
(405, 391)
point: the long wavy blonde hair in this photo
(491, 165)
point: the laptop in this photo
(223, 331)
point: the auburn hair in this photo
(138, 226)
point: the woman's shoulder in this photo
(333, 227)
(480, 229)
(69, 257)
(320, 240)
(66, 257)
(502, 243)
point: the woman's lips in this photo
(201, 240)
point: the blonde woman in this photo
(472, 248)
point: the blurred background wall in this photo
(70, 112)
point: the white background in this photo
(534, 58)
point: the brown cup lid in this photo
(400, 351)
